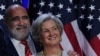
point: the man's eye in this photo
(15, 19)
(25, 17)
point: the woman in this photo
(47, 29)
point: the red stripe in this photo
(72, 38)
(95, 43)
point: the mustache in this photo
(21, 26)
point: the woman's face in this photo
(50, 33)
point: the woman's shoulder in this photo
(40, 54)
(64, 53)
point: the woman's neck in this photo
(52, 51)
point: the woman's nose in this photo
(51, 33)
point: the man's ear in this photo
(40, 40)
(6, 22)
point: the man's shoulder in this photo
(2, 25)
(1, 28)
(4, 32)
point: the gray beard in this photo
(20, 35)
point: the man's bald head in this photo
(12, 8)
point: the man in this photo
(15, 32)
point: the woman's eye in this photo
(55, 28)
(45, 31)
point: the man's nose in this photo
(21, 21)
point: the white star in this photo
(2, 7)
(14, 0)
(99, 9)
(98, 18)
(21, 1)
(89, 27)
(50, 13)
(1, 16)
(39, 13)
(60, 6)
(92, 7)
(82, 16)
(58, 15)
(69, 10)
(42, 3)
(71, 1)
(75, 6)
(90, 17)
(34, 5)
(51, 4)
(83, 7)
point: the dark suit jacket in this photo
(6, 46)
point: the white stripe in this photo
(65, 43)
(85, 46)
(98, 36)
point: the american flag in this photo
(89, 17)
(80, 19)
(5, 4)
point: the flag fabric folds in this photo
(80, 19)
(89, 17)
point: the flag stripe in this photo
(84, 44)
(72, 37)
(95, 44)
(66, 45)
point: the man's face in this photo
(19, 24)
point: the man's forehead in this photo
(15, 6)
